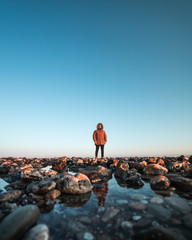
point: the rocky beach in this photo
(104, 199)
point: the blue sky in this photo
(67, 65)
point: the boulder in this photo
(60, 166)
(121, 169)
(41, 187)
(17, 223)
(34, 174)
(104, 171)
(154, 169)
(77, 184)
(181, 183)
(160, 182)
(10, 195)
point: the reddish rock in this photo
(154, 169)
(160, 182)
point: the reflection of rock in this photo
(77, 184)
(101, 190)
(75, 200)
(17, 223)
(155, 169)
(134, 181)
(160, 182)
(97, 174)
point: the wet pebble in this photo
(157, 200)
(39, 232)
(126, 225)
(136, 218)
(110, 213)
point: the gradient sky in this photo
(67, 65)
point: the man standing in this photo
(100, 138)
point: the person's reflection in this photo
(101, 191)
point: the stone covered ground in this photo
(80, 198)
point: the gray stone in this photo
(78, 184)
(154, 169)
(17, 223)
(157, 200)
(159, 211)
(110, 213)
(39, 232)
(10, 195)
(179, 204)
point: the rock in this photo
(136, 218)
(104, 171)
(152, 160)
(41, 187)
(184, 184)
(142, 223)
(179, 204)
(17, 223)
(85, 219)
(76, 227)
(187, 220)
(4, 169)
(154, 169)
(34, 174)
(159, 232)
(121, 201)
(174, 166)
(110, 213)
(60, 166)
(77, 184)
(134, 181)
(39, 232)
(10, 195)
(187, 168)
(126, 225)
(53, 194)
(19, 185)
(121, 169)
(160, 182)
(159, 211)
(157, 200)
(85, 236)
(138, 206)
(161, 162)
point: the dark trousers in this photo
(97, 149)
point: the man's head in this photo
(99, 126)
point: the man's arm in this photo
(105, 136)
(94, 137)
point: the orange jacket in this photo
(99, 136)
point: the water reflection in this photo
(101, 190)
(75, 200)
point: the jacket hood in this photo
(98, 126)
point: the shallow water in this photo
(85, 216)
(3, 184)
